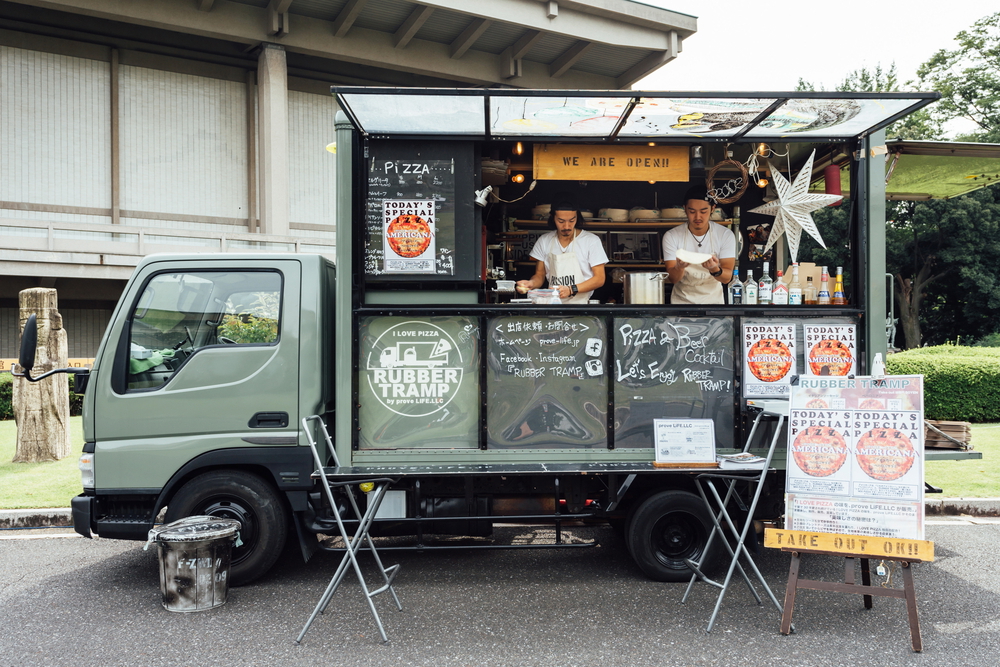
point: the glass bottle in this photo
(823, 298)
(809, 292)
(735, 288)
(779, 292)
(764, 286)
(839, 298)
(795, 287)
(750, 289)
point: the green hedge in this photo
(7, 397)
(960, 383)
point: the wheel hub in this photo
(228, 509)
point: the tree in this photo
(969, 79)
(944, 256)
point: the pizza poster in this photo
(855, 456)
(409, 233)
(830, 349)
(768, 359)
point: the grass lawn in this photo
(53, 484)
(970, 479)
(30, 485)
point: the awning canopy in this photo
(919, 170)
(923, 170)
(582, 115)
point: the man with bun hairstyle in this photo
(570, 258)
(699, 283)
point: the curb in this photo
(968, 506)
(37, 518)
(62, 516)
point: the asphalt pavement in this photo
(73, 601)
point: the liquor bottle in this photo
(750, 289)
(764, 286)
(809, 293)
(779, 292)
(795, 287)
(735, 288)
(823, 298)
(839, 298)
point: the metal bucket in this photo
(195, 555)
(644, 287)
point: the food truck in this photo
(428, 366)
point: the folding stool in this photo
(361, 536)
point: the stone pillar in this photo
(272, 109)
(41, 409)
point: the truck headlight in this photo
(87, 470)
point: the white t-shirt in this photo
(695, 287)
(589, 253)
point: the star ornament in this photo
(793, 207)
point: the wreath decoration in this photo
(733, 188)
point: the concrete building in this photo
(129, 128)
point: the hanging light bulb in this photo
(519, 150)
(762, 150)
(517, 178)
(762, 183)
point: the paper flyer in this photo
(830, 349)
(768, 359)
(408, 232)
(855, 456)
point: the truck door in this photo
(205, 359)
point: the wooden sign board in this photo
(860, 546)
(589, 162)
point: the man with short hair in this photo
(699, 283)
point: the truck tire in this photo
(248, 499)
(664, 530)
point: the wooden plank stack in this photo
(947, 435)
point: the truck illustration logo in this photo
(414, 368)
(416, 354)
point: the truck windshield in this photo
(180, 313)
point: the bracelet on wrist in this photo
(716, 274)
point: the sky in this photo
(763, 45)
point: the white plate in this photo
(692, 257)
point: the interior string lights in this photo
(762, 152)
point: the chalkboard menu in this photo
(672, 367)
(418, 382)
(420, 219)
(547, 382)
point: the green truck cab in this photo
(485, 410)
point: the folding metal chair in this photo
(361, 537)
(717, 507)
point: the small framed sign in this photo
(684, 443)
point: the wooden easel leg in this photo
(911, 607)
(866, 580)
(790, 589)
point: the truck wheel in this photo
(248, 499)
(664, 530)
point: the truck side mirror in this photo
(29, 341)
(26, 358)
